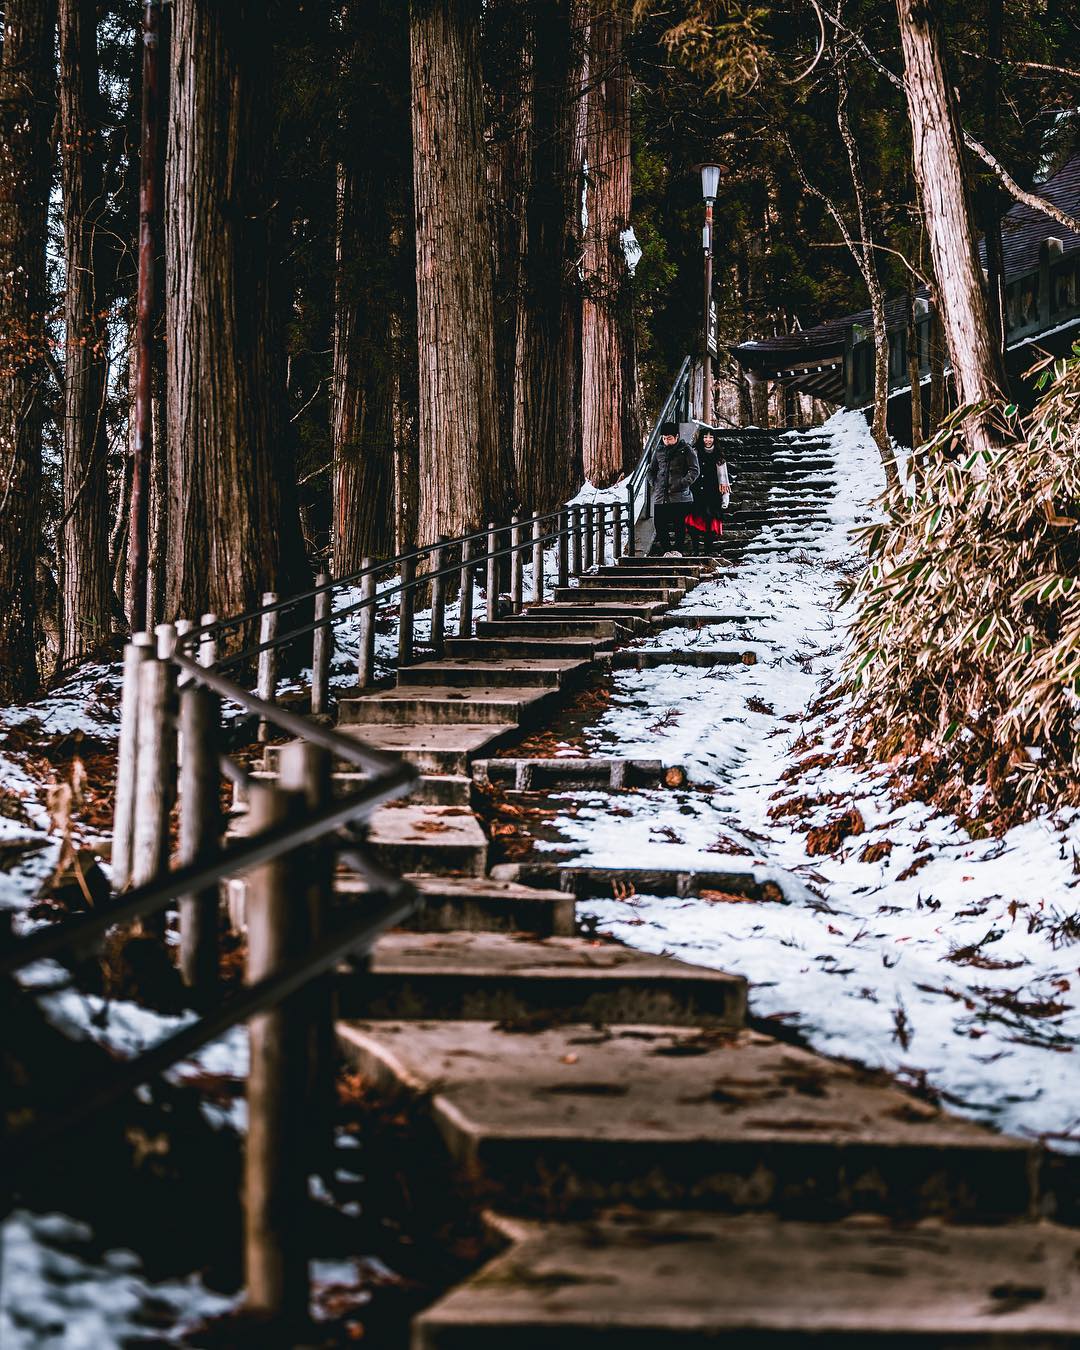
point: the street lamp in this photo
(710, 181)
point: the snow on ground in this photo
(961, 974)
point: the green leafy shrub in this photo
(965, 661)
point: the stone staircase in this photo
(662, 1173)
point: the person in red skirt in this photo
(712, 491)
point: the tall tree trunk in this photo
(992, 200)
(976, 361)
(26, 114)
(460, 474)
(543, 458)
(85, 587)
(569, 431)
(228, 475)
(362, 404)
(611, 439)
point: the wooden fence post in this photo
(266, 681)
(136, 653)
(631, 521)
(465, 624)
(562, 549)
(307, 769)
(322, 641)
(200, 834)
(153, 769)
(406, 607)
(575, 540)
(601, 534)
(208, 643)
(616, 532)
(538, 561)
(365, 652)
(590, 535)
(438, 599)
(492, 574)
(516, 566)
(183, 628)
(275, 1159)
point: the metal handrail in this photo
(639, 503)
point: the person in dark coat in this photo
(712, 491)
(673, 470)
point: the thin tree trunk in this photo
(914, 378)
(85, 607)
(992, 198)
(570, 324)
(228, 475)
(611, 439)
(26, 115)
(937, 367)
(460, 474)
(976, 362)
(543, 458)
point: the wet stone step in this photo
(475, 905)
(511, 977)
(694, 1280)
(529, 775)
(574, 1117)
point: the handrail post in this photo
(208, 643)
(575, 540)
(492, 574)
(538, 561)
(275, 1159)
(365, 652)
(183, 628)
(153, 769)
(465, 624)
(616, 532)
(516, 568)
(601, 534)
(589, 536)
(631, 522)
(266, 683)
(562, 549)
(406, 607)
(200, 835)
(321, 648)
(438, 598)
(137, 651)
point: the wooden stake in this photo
(365, 654)
(590, 535)
(275, 1159)
(266, 685)
(492, 575)
(563, 548)
(200, 834)
(601, 534)
(153, 764)
(616, 532)
(322, 645)
(631, 522)
(465, 624)
(406, 608)
(137, 651)
(575, 541)
(538, 561)
(208, 645)
(516, 566)
(438, 600)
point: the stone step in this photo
(510, 977)
(416, 837)
(585, 882)
(685, 619)
(575, 625)
(665, 1280)
(628, 659)
(626, 595)
(689, 567)
(578, 1116)
(446, 749)
(476, 905)
(436, 789)
(658, 575)
(544, 672)
(440, 704)
(647, 584)
(494, 649)
(534, 775)
(635, 616)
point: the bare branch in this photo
(797, 79)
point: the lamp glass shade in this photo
(710, 180)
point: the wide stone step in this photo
(641, 583)
(501, 649)
(544, 672)
(578, 1116)
(444, 749)
(678, 1280)
(534, 775)
(476, 905)
(657, 575)
(542, 624)
(689, 567)
(443, 703)
(627, 595)
(686, 619)
(635, 616)
(760, 884)
(416, 837)
(629, 659)
(508, 977)
(436, 789)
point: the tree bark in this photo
(229, 477)
(977, 368)
(611, 440)
(543, 457)
(992, 199)
(26, 114)
(85, 588)
(365, 354)
(460, 475)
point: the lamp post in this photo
(710, 179)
